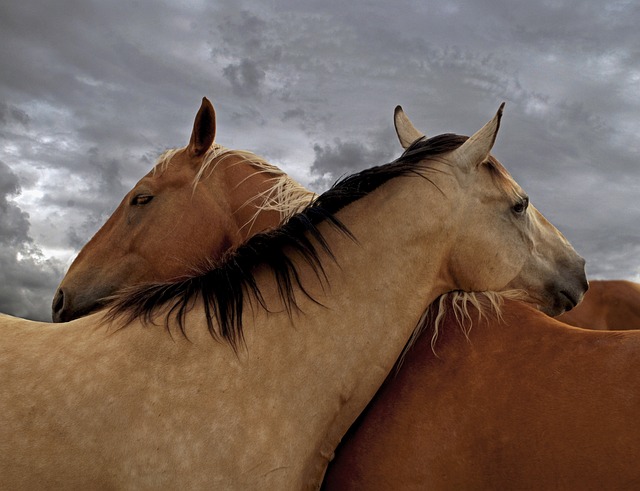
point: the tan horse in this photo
(608, 305)
(191, 207)
(311, 322)
(525, 402)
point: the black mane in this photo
(222, 287)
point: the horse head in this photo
(511, 243)
(195, 204)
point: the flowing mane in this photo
(286, 195)
(222, 286)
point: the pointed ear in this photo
(204, 130)
(477, 148)
(407, 133)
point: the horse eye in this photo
(521, 206)
(141, 199)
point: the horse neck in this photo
(344, 348)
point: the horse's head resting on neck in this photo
(196, 203)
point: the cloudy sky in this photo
(92, 91)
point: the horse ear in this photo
(407, 133)
(476, 149)
(204, 129)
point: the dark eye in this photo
(141, 199)
(521, 206)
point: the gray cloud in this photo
(14, 223)
(10, 114)
(246, 77)
(26, 277)
(333, 161)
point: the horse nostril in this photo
(58, 304)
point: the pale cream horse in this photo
(86, 404)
